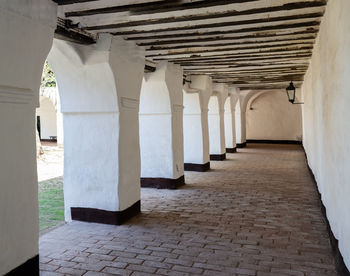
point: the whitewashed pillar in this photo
(161, 130)
(99, 86)
(216, 122)
(230, 125)
(196, 134)
(240, 114)
(26, 34)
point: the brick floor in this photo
(256, 213)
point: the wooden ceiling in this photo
(253, 44)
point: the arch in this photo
(273, 117)
(78, 77)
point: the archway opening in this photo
(49, 131)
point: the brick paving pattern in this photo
(256, 213)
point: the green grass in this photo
(51, 205)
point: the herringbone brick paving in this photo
(256, 213)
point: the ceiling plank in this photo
(153, 7)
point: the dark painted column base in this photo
(197, 167)
(242, 145)
(231, 150)
(162, 183)
(218, 157)
(30, 267)
(103, 216)
(274, 141)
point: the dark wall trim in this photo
(103, 216)
(218, 157)
(274, 141)
(241, 145)
(197, 167)
(162, 183)
(231, 150)
(30, 267)
(338, 258)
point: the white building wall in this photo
(326, 120)
(270, 116)
(48, 118)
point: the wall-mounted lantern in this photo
(291, 93)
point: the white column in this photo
(99, 86)
(26, 31)
(216, 122)
(230, 125)
(196, 135)
(161, 130)
(240, 114)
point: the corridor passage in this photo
(257, 213)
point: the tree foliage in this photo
(48, 77)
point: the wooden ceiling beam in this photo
(259, 43)
(276, 28)
(282, 47)
(309, 33)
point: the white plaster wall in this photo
(26, 36)
(48, 118)
(326, 121)
(161, 130)
(270, 116)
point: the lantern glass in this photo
(291, 92)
